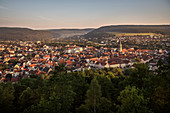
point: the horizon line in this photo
(33, 28)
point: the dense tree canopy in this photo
(136, 90)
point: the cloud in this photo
(45, 18)
(2, 7)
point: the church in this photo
(120, 46)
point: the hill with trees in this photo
(33, 35)
(23, 34)
(108, 31)
(102, 32)
(65, 33)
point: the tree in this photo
(117, 72)
(60, 68)
(94, 103)
(132, 101)
(161, 99)
(7, 97)
(105, 106)
(82, 109)
(93, 96)
(138, 75)
(161, 88)
(110, 75)
(107, 87)
(60, 101)
(9, 76)
(80, 86)
(33, 83)
(28, 97)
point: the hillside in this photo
(64, 33)
(29, 34)
(23, 34)
(105, 31)
(108, 31)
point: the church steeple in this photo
(120, 46)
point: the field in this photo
(135, 34)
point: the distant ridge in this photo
(105, 30)
(14, 33)
(17, 33)
(64, 33)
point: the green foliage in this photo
(60, 101)
(132, 101)
(9, 76)
(138, 75)
(94, 103)
(83, 109)
(60, 68)
(93, 96)
(28, 97)
(3, 67)
(80, 86)
(14, 61)
(117, 72)
(7, 97)
(107, 87)
(90, 91)
(109, 31)
(161, 96)
(105, 106)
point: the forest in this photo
(136, 90)
(110, 31)
(23, 34)
(26, 34)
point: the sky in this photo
(51, 14)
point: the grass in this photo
(134, 34)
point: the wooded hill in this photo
(105, 31)
(29, 34)
(23, 34)
(108, 31)
(64, 33)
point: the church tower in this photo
(120, 47)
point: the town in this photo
(85, 56)
(21, 59)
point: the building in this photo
(120, 47)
